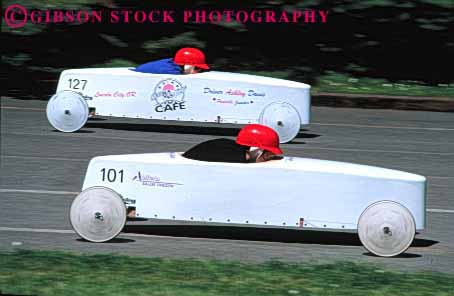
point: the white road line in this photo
(36, 230)
(312, 123)
(367, 150)
(385, 126)
(67, 231)
(286, 147)
(39, 191)
(189, 141)
(64, 231)
(22, 108)
(106, 137)
(440, 211)
(46, 158)
(8, 190)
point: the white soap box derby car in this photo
(218, 97)
(385, 206)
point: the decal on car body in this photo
(168, 95)
(150, 180)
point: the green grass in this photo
(333, 82)
(342, 83)
(58, 273)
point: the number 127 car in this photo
(208, 97)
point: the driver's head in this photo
(260, 155)
(264, 140)
(192, 60)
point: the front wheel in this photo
(283, 118)
(67, 111)
(386, 228)
(98, 214)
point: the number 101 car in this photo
(216, 97)
(385, 206)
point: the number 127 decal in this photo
(77, 83)
(112, 175)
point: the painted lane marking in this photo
(287, 147)
(122, 234)
(8, 190)
(20, 229)
(312, 123)
(189, 141)
(22, 108)
(440, 211)
(66, 231)
(106, 137)
(398, 141)
(198, 141)
(370, 150)
(46, 158)
(384, 126)
(39, 191)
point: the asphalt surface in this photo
(42, 170)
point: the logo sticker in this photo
(116, 94)
(155, 181)
(168, 95)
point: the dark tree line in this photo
(405, 41)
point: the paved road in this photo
(41, 171)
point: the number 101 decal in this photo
(112, 175)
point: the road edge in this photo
(369, 101)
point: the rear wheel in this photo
(386, 228)
(283, 118)
(67, 111)
(98, 214)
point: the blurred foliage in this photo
(390, 40)
(342, 83)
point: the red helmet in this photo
(257, 135)
(191, 56)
